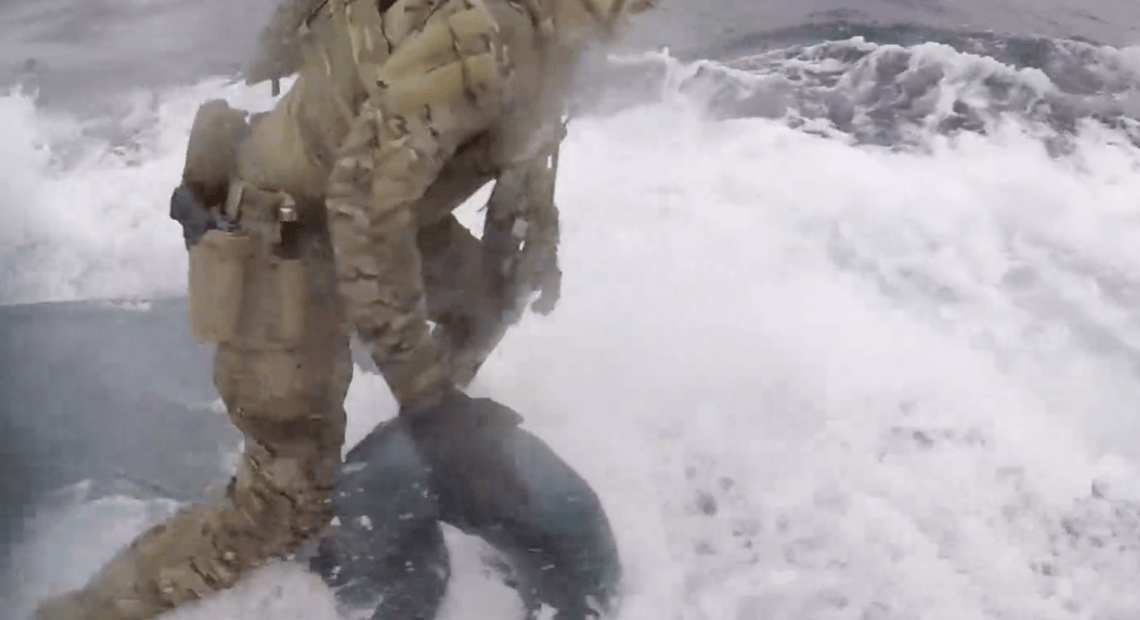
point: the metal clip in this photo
(288, 210)
(232, 209)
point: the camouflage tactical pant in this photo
(289, 406)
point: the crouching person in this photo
(332, 213)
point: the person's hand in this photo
(468, 444)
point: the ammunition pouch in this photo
(217, 282)
(425, 69)
(247, 284)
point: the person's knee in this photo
(281, 385)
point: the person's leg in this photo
(287, 399)
(385, 552)
(468, 314)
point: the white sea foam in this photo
(808, 379)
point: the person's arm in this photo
(521, 231)
(384, 169)
(390, 157)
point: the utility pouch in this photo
(218, 265)
(287, 320)
(274, 290)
